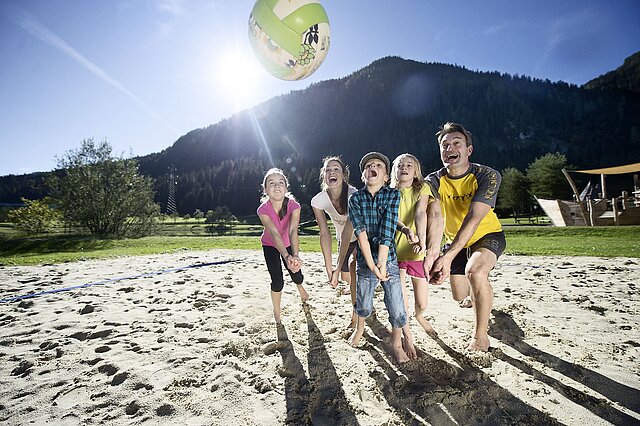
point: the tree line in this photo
(101, 193)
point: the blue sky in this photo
(141, 73)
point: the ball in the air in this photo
(290, 38)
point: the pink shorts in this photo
(414, 268)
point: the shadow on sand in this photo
(320, 399)
(433, 390)
(507, 330)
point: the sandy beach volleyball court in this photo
(198, 346)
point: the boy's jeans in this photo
(393, 300)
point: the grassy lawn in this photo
(522, 240)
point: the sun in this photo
(237, 77)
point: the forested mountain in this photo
(394, 106)
(626, 77)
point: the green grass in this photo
(522, 240)
(600, 241)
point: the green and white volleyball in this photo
(290, 38)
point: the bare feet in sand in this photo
(354, 320)
(428, 328)
(354, 339)
(304, 296)
(466, 302)
(478, 345)
(400, 354)
(409, 349)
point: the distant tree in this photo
(35, 217)
(186, 216)
(514, 192)
(198, 214)
(546, 177)
(104, 193)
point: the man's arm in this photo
(442, 266)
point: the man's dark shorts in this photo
(494, 242)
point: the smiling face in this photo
(275, 186)
(333, 175)
(455, 153)
(374, 173)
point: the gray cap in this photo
(377, 155)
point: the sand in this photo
(199, 346)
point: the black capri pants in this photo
(273, 258)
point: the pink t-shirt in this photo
(282, 225)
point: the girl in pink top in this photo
(280, 215)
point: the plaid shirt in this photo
(378, 215)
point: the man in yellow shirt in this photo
(473, 234)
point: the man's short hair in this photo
(451, 127)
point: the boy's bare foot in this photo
(304, 296)
(407, 343)
(354, 339)
(478, 345)
(354, 320)
(277, 318)
(400, 354)
(409, 349)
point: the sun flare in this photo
(236, 77)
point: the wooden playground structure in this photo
(601, 211)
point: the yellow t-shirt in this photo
(406, 214)
(480, 183)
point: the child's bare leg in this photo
(276, 297)
(304, 296)
(355, 337)
(421, 293)
(352, 288)
(396, 341)
(403, 274)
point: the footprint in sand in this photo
(165, 410)
(119, 378)
(108, 369)
(132, 408)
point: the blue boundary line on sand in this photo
(146, 275)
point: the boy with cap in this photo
(373, 211)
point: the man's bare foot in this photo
(277, 318)
(304, 296)
(478, 345)
(354, 339)
(466, 302)
(428, 328)
(400, 354)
